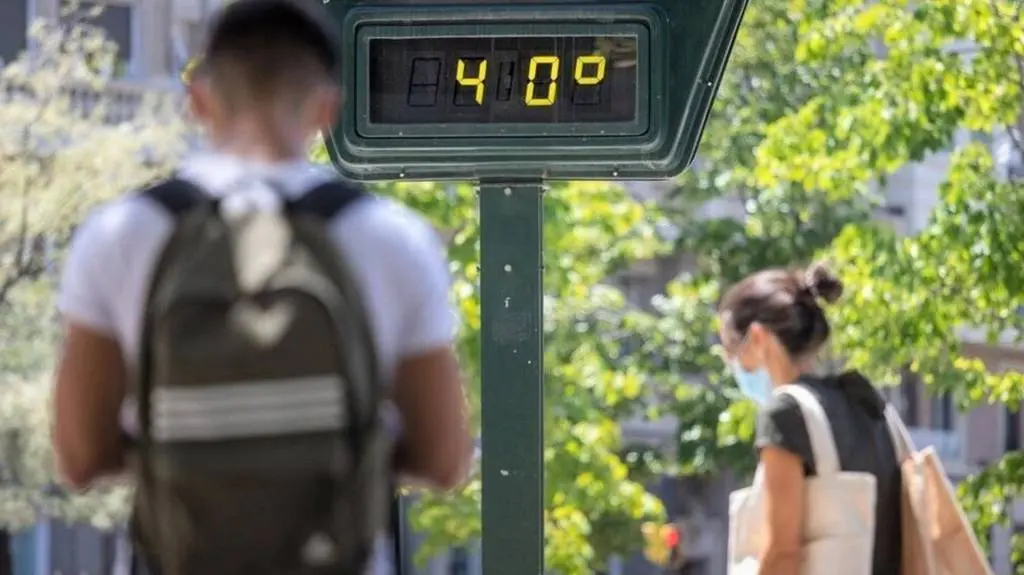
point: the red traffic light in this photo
(672, 536)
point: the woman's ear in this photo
(758, 342)
(756, 334)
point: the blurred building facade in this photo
(156, 38)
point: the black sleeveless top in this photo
(855, 411)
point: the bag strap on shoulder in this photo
(176, 195)
(823, 443)
(901, 440)
(328, 199)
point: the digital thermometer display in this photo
(503, 80)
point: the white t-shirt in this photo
(395, 256)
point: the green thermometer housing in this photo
(479, 89)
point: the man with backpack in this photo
(236, 334)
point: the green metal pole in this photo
(511, 299)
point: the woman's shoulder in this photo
(838, 395)
(780, 424)
(783, 402)
(779, 403)
(846, 388)
(781, 416)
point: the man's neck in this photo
(259, 145)
(259, 154)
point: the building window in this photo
(1012, 430)
(943, 413)
(983, 138)
(458, 561)
(631, 287)
(910, 391)
(1018, 566)
(13, 29)
(195, 35)
(81, 549)
(115, 19)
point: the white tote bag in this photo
(839, 508)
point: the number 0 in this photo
(535, 63)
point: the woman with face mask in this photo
(772, 327)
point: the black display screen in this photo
(503, 80)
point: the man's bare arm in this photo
(90, 387)
(435, 444)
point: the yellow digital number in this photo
(548, 99)
(472, 81)
(593, 78)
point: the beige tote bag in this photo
(839, 508)
(937, 538)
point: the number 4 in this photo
(472, 81)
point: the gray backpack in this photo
(261, 448)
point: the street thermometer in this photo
(509, 95)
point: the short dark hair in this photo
(787, 303)
(257, 48)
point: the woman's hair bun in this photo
(822, 283)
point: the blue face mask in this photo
(756, 385)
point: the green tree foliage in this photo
(964, 268)
(823, 102)
(69, 139)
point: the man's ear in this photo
(202, 104)
(327, 106)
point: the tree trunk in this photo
(6, 559)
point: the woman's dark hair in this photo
(784, 301)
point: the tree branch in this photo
(1016, 133)
(25, 268)
(28, 262)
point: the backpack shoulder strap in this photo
(328, 199)
(325, 202)
(823, 443)
(176, 195)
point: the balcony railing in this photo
(947, 443)
(121, 100)
(703, 537)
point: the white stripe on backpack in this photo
(259, 408)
